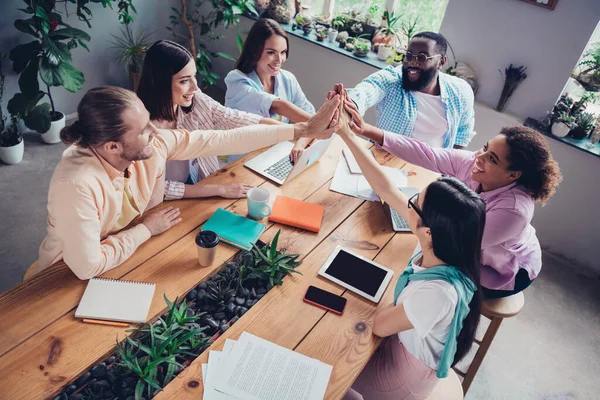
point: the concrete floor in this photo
(550, 351)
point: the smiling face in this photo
(491, 168)
(417, 76)
(273, 56)
(184, 85)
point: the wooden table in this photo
(43, 347)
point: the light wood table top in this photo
(43, 347)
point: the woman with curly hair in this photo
(512, 172)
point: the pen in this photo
(95, 321)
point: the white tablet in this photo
(357, 274)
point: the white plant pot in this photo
(560, 129)
(53, 134)
(12, 154)
(384, 52)
(331, 36)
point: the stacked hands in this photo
(338, 114)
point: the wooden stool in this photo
(448, 388)
(31, 271)
(495, 310)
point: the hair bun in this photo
(71, 134)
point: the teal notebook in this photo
(234, 229)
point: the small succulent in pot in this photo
(362, 47)
(321, 33)
(585, 122)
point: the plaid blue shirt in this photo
(397, 108)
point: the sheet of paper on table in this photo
(255, 369)
(356, 185)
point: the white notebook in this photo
(113, 300)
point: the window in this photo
(428, 14)
(375, 8)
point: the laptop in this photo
(399, 224)
(275, 163)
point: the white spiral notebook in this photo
(114, 300)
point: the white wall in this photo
(98, 66)
(568, 224)
(491, 34)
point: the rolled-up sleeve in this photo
(244, 94)
(372, 89)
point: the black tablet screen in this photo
(356, 272)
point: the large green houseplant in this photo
(49, 57)
(201, 23)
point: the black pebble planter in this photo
(220, 302)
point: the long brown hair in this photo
(100, 117)
(254, 45)
(163, 60)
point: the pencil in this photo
(95, 321)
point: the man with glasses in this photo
(418, 100)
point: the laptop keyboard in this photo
(398, 222)
(281, 169)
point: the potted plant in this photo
(356, 29)
(408, 29)
(321, 32)
(130, 53)
(332, 35)
(585, 122)
(563, 124)
(589, 76)
(11, 140)
(396, 57)
(350, 43)
(362, 47)
(342, 41)
(48, 56)
(388, 32)
(368, 20)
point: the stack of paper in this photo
(356, 185)
(255, 369)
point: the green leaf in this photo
(240, 43)
(38, 118)
(49, 73)
(45, 27)
(274, 245)
(55, 51)
(139, 389)
(22, 104)
(72, 78)
(83, 45)
(26, 26)
(40, 12)
(21, 55)
(69, 33)
(28, 81)
(225, 55)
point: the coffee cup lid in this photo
(207, 239)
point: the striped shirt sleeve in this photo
(174, 190)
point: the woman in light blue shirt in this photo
(260, 86)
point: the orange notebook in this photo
(297, 213)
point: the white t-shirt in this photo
(430, 307)
(431, 124)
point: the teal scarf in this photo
(465, 289)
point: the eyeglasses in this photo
(411, 204)
(420, 58)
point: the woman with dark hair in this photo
(259, 85)
(512, 172)
(432, 322)
(169, 91)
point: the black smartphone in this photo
(324, 299)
